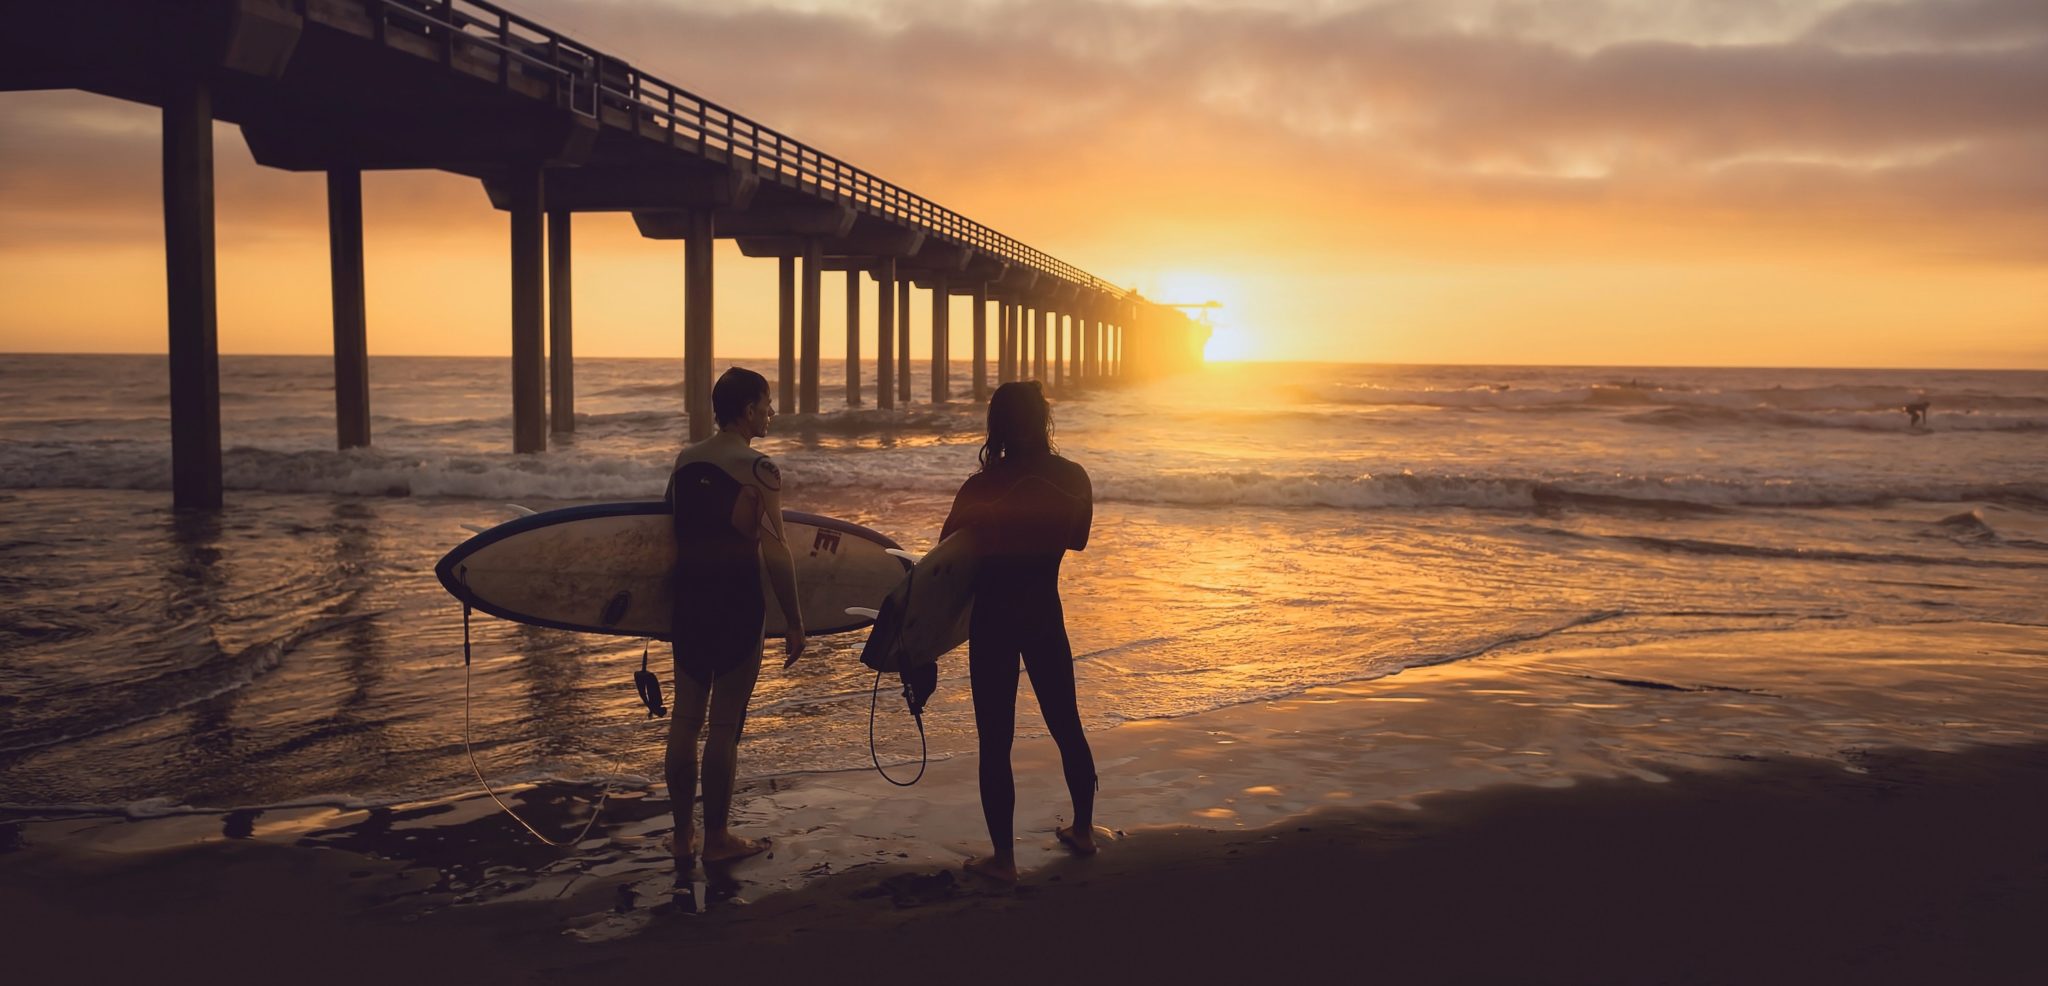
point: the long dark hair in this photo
(1019, 423)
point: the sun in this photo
(1227, 344)
(1214, 299)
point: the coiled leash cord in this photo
(471, 753)
(923, 756)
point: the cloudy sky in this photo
(1764, 182)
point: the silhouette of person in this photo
(726, 501)
(1027, 507)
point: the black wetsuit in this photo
(1026, 513)
(719, 610)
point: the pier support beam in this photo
(189, 294)
(1059, 351)
(885, 333)
(697, 334)
(853, 338)
(1020, 339)
(1038, 341)
(903, 340)
(810, 330)
(529, 299)
(942, 317)
(1089, 371)
(351, 342)
(1002, 342)
(1080, 347)
(981, 341)
(785, 335)
(1026, 316)
(561, 328)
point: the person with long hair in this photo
(1027, 506)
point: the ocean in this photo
(1261, 529)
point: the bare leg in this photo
(730, 693)
(992, 672)
(684, 727)
(1051, 666)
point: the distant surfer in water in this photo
(727, 502)
(1027, 507)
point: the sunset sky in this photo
(1703, 182)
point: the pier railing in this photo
(521, 54)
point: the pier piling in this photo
(810, 331)
(981, 341)
(853, 337)
(189, 293)
(903, 340)
(561, 342)
(697, 333)
(1059, 350)
(351, 343)
(529, 402)
(1038, 341)
(785, 335)
(942, 317)
(885, 333)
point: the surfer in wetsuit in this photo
(726, 499)
(1027, 507)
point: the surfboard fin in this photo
(521, 511)
(863, 612)
(475, 528)
(905, 555)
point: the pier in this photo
(552, 127)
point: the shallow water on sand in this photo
(1260, 530)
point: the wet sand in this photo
(1801, 806)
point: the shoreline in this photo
(1367, 807)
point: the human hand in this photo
(794, 644)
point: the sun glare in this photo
(1227, 344)
(1196, 291)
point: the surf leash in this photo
(917, 713)
(595, 812)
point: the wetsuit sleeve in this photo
(1084, 511)
(964, 508)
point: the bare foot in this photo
(686, 847)
(1002, 871)
(1079, 841)
(727, 847)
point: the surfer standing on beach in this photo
(727, 502)
(1027, 507)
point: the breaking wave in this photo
(578, 474)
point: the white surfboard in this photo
(927, 613)
(605, 568)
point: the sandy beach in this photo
(1705, 810)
